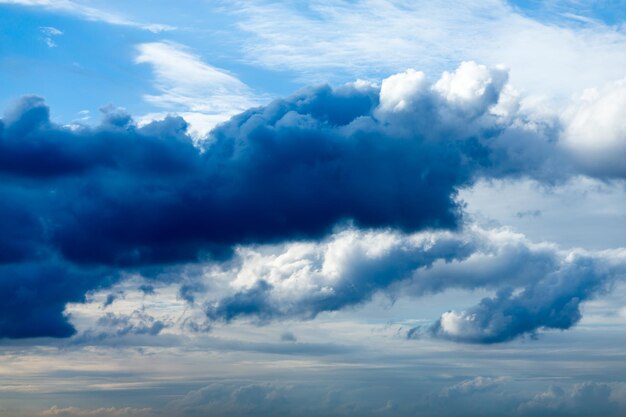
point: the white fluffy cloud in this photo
(472, 86)
(539, 285)
(398, 91)
(595, 129)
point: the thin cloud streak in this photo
(204, 94)
(89, 13)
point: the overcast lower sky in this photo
(324, 208)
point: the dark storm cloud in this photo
(33, 296)
(123, 195)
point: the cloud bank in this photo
(481, 396)
(80, 206)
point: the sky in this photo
(324, 208)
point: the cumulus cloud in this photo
(398, 91)
(303, 280)
(553, 301)
(95, 202)
(538, 285)
(473, 87)
(289, 170)
(550, 299)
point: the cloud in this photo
(552, 303)
(481, 396)
(398, 90)
(270, 399)
(288, 337)
(137, 323)
(584, 399)
(252, 170)
(428, 35)
(188, 84)
(98, 412)
(303, 280)
(595, 130)
(34, 295)
(528, 213)
(49, 32)
(471, 386)
(495, 396)
(472, 87)
(538, 286)
(99, 202)
(89, 13)
(241, 399)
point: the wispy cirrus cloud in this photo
(49, 33)
(89, 13)
(202, 93)
(368, 37)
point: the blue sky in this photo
(325, 208)
(92, 60)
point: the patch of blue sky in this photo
(92, 63)
(90, 66)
